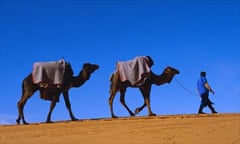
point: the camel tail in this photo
(22, 88)
(27, 86)
(111, 81)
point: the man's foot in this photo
(214, 112)
(201, 113)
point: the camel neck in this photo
(84, 74)
(160, 79)
(80, 79)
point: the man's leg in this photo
(212, 108)
(204, 98)
(200, 109)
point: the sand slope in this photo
(169, 129)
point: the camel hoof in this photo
(25, 123)
(113, 116)
(18, 121)
(152, 114)
(132, 114)
(74, 119)
(48, 121)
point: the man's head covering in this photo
(203, 73)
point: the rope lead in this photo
(185, 88)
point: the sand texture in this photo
(168, 129)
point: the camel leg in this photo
(147, 101)
(146, 94)
(68, 105)
(122, 100)
(139, 109)
(20, 105)
(114, 88)
(53, 104)
(110, 100)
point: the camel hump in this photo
(49, 72)
(150, 61)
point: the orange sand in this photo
(169, 129)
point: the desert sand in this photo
(165, 129)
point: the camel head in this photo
(166, 76)
(84, 74)
(90, 68)
(169, 73)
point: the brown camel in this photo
(145, 88)
(29, 88)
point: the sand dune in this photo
(169, 129)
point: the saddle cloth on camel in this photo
(51, 73)
(135, 71)
(50, 93)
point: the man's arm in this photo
(207, 86)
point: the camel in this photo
(69, 81)
(145, 88)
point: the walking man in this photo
(204, 89)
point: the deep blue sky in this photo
(189, 35)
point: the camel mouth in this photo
(97, 66)
(170, 80)
(90, 67)
(177, 72)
